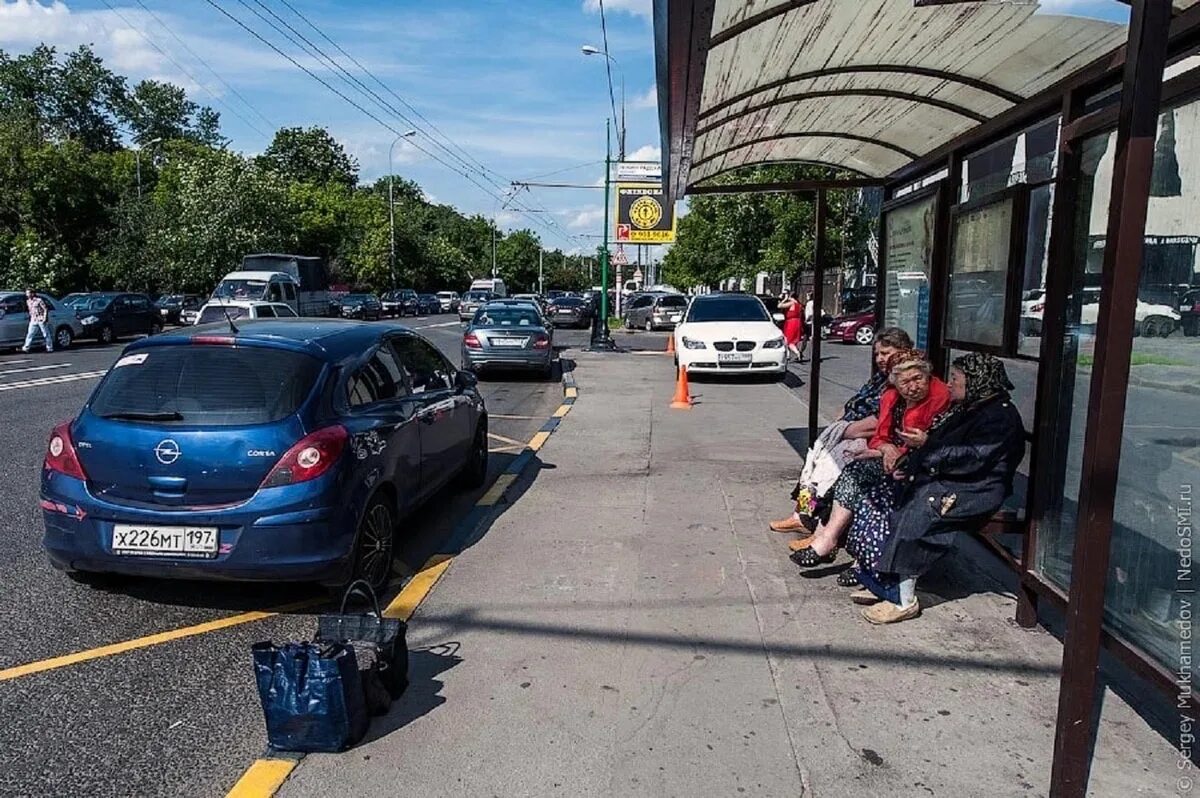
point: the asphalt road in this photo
(180, 717)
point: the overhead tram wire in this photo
(207, 66)
(184, 69)
(608, 68)
(388, 89)
(357, 106)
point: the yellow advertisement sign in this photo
(643, 216)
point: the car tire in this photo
(474, 471)
(107, 335)
(864, 335)
(63, 337)
(375, 544)
(649, 325)
(1157, 326)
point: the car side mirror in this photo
(778, 317)
(464, 381)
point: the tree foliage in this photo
(72, 216)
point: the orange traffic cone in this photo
(683, 399)
(671, 345)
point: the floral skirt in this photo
(871, 528)
(856, 479)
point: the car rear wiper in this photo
(173, 415)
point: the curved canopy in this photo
(865, 85)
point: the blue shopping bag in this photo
(312, 696)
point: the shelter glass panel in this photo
(1151, 575)
(978, 293)
(909, 241)
(1030, 156)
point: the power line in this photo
(183, 69)
(608, 68)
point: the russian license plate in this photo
(164, 541)
(563, 312)
(509, 342)
(734, 357)
(677, 318)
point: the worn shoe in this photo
(887, 612)
(864, 596)
(807, 558)
(788, 524)
(801, 544)
(848, 578)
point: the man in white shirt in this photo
(811, 326)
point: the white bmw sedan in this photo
(729, 333)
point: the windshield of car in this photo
(241, 289)
(355, 299)
(477, 296)
(673, 302)
(221, 313)
(568, 302)
(209, 385)
(728, 308)
(506, 316)
(95, 304)
(445, 294)
(165, 301)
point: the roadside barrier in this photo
(683, 398)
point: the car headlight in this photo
(774, 343)
(692, 343)
(89, 320)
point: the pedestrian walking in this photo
(793, 324)
(39, 319)
(810, 324)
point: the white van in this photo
(259, 287)
(495, 286)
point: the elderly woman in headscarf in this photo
(841, 440)
(908, 406)
(956, 475)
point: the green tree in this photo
(310, 155)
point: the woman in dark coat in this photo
(955, 477)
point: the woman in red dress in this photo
(793, 324)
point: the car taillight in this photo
(471, 341)
(308, 459)
(214, 340)
(60, 453)
(1196, 308)
(1038, 308)
(541, 342)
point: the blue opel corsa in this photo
(273, 450)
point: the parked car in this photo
(1189, 312)
(569, 311)
(402, 302)
(536, 299)
(237, 310)
(655, 312)
(854, 328)
(448, 301)
(508, 335)
(172, 306)
(70, 300)
(471, 302)
(284, 452)
(428, 305)
(1033, 302)
(14, 322)
(362, 306)
(109, 316)
(722, 333)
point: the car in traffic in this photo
(366, 307)
(508, 335)
(402, 302)
(428, 305)
(237, 310)
(448, 300)
(471, 302)
(655, 312)
(569, 311)
(290, 451)
(1189, 312)
(14, 322)
(172, 306)
(108, 316)
(854, 328)
(729, 333)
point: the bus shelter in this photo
(1041, 177)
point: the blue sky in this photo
(504, 80)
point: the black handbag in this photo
(383, 637)
(312, 696)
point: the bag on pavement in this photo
(312, 696)
(383, 637)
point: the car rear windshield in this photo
(728, 309)
(568, 302)
(506, 316)
(478, 296)
(207, 385)
(220, 313)
(673, 302)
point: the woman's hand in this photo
(867, 454)
(913, 437)
(890, 455)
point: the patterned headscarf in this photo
(903, 357)
(986, 376)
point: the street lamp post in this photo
(138, 158)
(392, 207)
(588, 49)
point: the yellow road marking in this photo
(538, 440)
(509, 441)
(502, 449)
(497, 490)
(150, 640)
(262, 778)
(561, 411)
(406, 603)
(572, 393)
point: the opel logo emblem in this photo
(167, 452)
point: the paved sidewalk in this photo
(628, 626)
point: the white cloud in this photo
(640, 8)
(588, 218)
(647, 152)
(647, 100)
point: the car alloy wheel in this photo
(864, 335)
(106, 334)
(63, 338)
(649, 325)
(474, 472)
(374, 548)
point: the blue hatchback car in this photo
(284, 450)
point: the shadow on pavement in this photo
(424, 688)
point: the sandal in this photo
(848, 578)
(807, 558)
